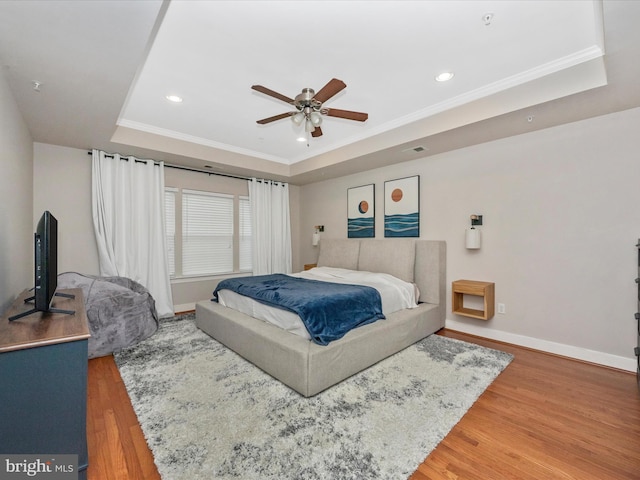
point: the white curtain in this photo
(270, 226)
(128, 218)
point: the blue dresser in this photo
(43, 381)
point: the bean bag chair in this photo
(120, 311)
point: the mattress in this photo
(395, 294)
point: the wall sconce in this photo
(316, 235)
(472, 235)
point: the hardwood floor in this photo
(117, 447)
(544, 417)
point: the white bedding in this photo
(395, 294)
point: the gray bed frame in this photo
(309, 368)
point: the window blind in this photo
(207, 233)
(170, 227)
(244, 220)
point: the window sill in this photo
(209, 278)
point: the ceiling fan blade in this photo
(274, 118)
(357, 116)
(330, 89)
(271, 93)
(317, 132)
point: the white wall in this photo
(561, 212)
(62, 185)
(16, 200)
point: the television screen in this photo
(46, 269)
(46, 261)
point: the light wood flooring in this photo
(544, 417)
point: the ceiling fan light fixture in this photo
(316, 119)
(297, 118)
(308, 105)
(308, 126)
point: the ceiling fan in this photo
(309, 107)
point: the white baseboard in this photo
(615, 361)
(593, 356)
(185, 307)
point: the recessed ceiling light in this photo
(174, 98)
(301, 139)
(444, 77)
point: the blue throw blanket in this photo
(328, 310)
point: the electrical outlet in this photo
(502, 308)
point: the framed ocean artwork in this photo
(361, 217)
(402, 207)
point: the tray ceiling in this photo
(113, 75)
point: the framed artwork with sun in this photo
(361, 217)
(402, 207)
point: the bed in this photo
(310, 368)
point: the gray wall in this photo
(561, 214)
(16, 200)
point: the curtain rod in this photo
(177, 167)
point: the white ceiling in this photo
(105, 68)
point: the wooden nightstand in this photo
(486, 290)
(309, 266)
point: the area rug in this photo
(209, 414)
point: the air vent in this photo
(417, 149)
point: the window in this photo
(207, 233)
(245, 249)
(170, 227)
(200, 232)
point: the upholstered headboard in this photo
(339, 253)
(422, 262)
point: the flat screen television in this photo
(45, 244)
